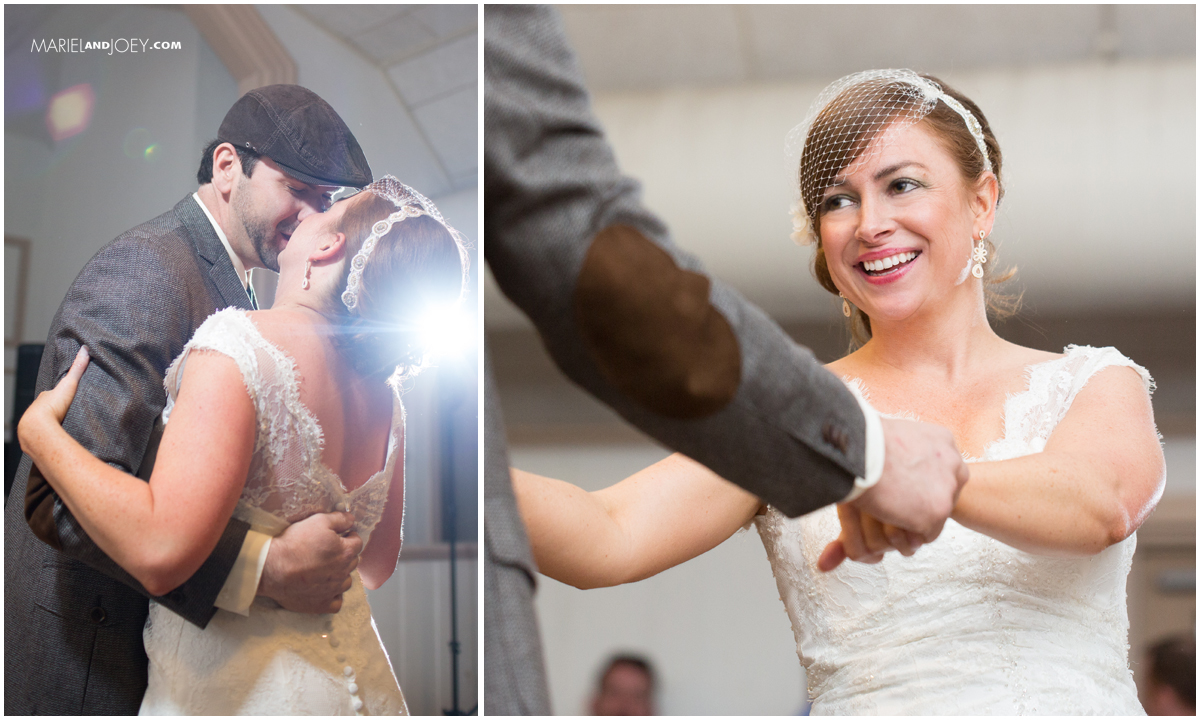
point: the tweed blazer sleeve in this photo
(623, 311)
(134, 305)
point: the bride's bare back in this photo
(354, 412)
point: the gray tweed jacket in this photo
(633, 320)
(72, 618)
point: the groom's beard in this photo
(265, 237)
(267, 242)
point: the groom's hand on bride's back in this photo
(308, 565)
(923, 472)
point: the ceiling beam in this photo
(246, 45)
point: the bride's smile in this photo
(897, 226)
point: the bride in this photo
(274, 416)
(1019, 607)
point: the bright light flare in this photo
(447, 331)
(70, 112)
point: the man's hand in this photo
(309, 564)
(923, 472)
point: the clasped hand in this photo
(865, 539)
(923, 474)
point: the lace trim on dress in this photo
(1030, 415)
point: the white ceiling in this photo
(430, 55)
(649, 47)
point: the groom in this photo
(632, 319)
(73, 618)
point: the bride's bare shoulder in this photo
(281, 327)
(847, 366)
(1022, 356)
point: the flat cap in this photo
(298, 130)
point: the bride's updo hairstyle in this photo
(416, 265)
(844, 121)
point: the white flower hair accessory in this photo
(409, 203)
(876, 99)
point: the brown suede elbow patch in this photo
(651, 329)
(39, 508)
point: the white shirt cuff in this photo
(874, 449)
(242, 584)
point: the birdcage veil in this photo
(844, 129)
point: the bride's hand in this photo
(865, 539)
(51, 406)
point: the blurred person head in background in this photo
(1172, 689)
(626, 687)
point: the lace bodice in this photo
(273, 661)
(968, 625)
(287, 480)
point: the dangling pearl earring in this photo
(307, 270)
(979, 254)
(845, 305)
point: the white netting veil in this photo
(843, 130)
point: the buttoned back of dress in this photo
(274, 661)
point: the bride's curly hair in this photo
(418, 265)
(842, 120)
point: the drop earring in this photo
(845, 305)
(979, 254)
(307, 270)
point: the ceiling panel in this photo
(445, 122)
(394, 41)
(630, 48)
(348, 20)
(447, 20)
(447, 68)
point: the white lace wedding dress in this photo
(968, 625)
(277, 662)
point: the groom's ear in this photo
(226, 167)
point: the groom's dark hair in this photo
(248, 158)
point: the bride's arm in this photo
(655, 519)
(1101, 474)
(379, 556)
(162, 531)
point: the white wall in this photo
(412, 612)
(1099, 164)
(713, 627)
(72, 198)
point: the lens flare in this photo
(447, 331)
(70, 112)
(138, 144)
